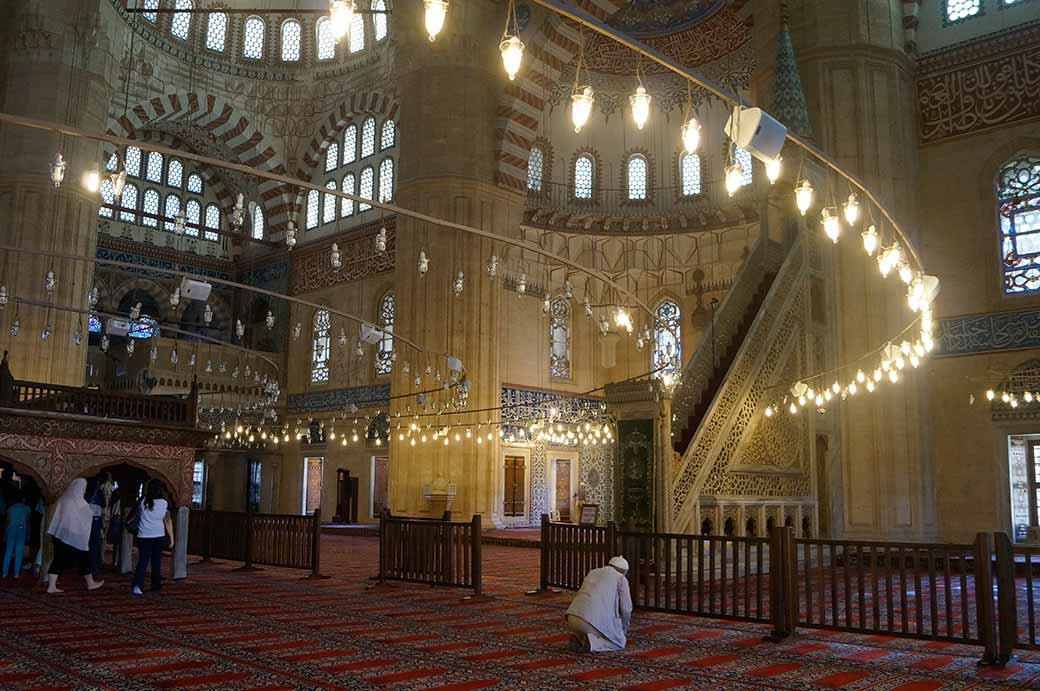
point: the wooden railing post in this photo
(477, 566)
(610, 542)
(248, 565)
(543, 583)
(316, 545)
(383, 517)
(783, 601)
(1007, 616)
(984, 597)
(207, 545)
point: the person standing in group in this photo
(114, 535)
(70, 534)
(154, 533)
(97, 538)
(17, 527)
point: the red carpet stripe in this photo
(467, 685)
(544, 664)
(450, 646)
(126, 657)
(25, 676)
(661, 652)
(659, 685)
(806, 648)
(251, 637)
(868, 655)
(318, 655)
(287, 645)
(712, 661)
(414, 638)
(776, 670)
(407, 676)
(169, 667)
(497, 655)
(187, 682)
(840, 679)
(361, 664)
(593, 674)
(928, 685)
(932, 663)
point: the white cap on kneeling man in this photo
(619, 563)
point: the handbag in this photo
(133, 520)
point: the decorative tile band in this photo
(986, 333)
(337, 399)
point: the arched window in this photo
(195, 183)
(667, 334)
(379, 19)
(193, 212)
(347, 206)
(368, 137)
(253, 38)
(171, 208)
(181, 24)
(535, 165)
(385, 354)
(93, 323)
(154, 170)
(332, 157)
(258, 223)
(291, 33)
(957, 10)
(150, 7)
(1018, 207)
(387, 135)
(128, 200)
(742, 157)
(367, 183)
(212, 221)
(175, 174)
(312, 209)
(386, 180)
(635, 174)
(326, 41)
(357, 33)
(350, 144)
(150, 205)
(584, 174)
(108, 196)
(320, 346)
(690, 174)
(113, 163)
(560, 338)
(132, 162)
(145, 327)
(329, 211)
(216, 31)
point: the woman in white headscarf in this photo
(70, 534)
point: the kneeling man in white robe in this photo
(601, 612)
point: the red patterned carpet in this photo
(273, 630)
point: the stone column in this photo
(180, 547)
(57, 66)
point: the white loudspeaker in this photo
(117, 327)
(370, 334)
(756, 131)
(195, 290)
(454, 364)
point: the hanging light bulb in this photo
(435, 13)
(153, 353)
(803, 196)
(773, 167)
(104, 338)
(92, 296)
(238, 213)
(175, 297)
(851, 209)
(870, 240)
(581, 107)
(118, 182)
(460, 283)
(207, 315)
(492, 267)
(209, 366)
(57, 167)
(46, 333)
(270, 320)
(587, 306)
(769, 411)
(623, 321)
(381, 240)
(423, 263)
(342, 339)
(691, 135)
(604, 325)
(521, 283)
(297, 330)
(640, 102)
(240, 329)
(341, 14)
(135, 312)
(734, 178)
(906, 274)
(77, 335)
(568, 289)
(4, 298)
(180, 223)
(512, 49)
(831, 226)
(92, 180)
(359, 348)
(546, 305)
(49, 282)
(290, 235)
(335, 258)
(173, 356)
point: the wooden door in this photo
(380, 470)
(513, 503)
(312, 485)
(563, 488)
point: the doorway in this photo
(380, 482)
(563, 474)
(313, 474)
(1024, 476)
(515, 487)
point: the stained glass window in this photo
(198, 484)
(258, 223)
(742, 157)
(387, 135)
(535, 164)
(144, 327)
(171, 209)
(132, 162)
(384, 356)
(690, 174)
(1018, 207)
(379, 19)
(636, 177)
(350, 144)
(195, 183)
(584, 170)
(253, 38)
(175, 174)
(154, 170)
(212, 221)
(320, 345)
(368, 137)
(332, 157)
(193, 212)
(357, 33)
(667, 334)
(366, 188)
(149, 13)
(560, 338)
(347, 206)
(956, 10)
(291, 33)
(108, 196)
(181, 24)
(386, 180)
(128, 201)
(150, 205)
(329, 204)
(93, 323)
(312, 209)
(326, 41)
(216, 31)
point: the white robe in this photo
(72, 517)
(604, 602)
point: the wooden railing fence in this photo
(52, 398)
(437, 552)
(288, 541)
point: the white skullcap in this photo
(619, 562)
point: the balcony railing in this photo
(167, 411)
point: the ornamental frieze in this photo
(986, 333)
(312, 266)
